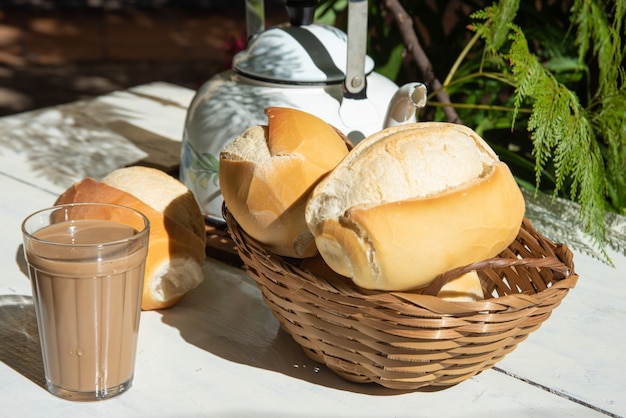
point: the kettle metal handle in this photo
(355, 82)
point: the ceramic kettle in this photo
(313, 67)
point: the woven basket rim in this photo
(561, 263)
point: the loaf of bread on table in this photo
(411, 202)
(176, 247)
(267, 173)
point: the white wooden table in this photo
(221, 353)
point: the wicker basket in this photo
(404, 340)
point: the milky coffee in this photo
(87, 309)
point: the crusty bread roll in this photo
(176, 247)
(463, 288)
(411, 202)
(267, 173)
(162, 192)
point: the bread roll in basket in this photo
(413, 201)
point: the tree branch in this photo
(412, 44)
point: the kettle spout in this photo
(405, 103)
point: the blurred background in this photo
(54, 52)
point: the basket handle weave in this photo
(552, 263)
(548, 256)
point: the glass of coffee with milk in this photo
(86, 264)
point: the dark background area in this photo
(54, 52)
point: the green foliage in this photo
(584, 144)
(392, 67)
(327, 11)
(500, 19)
(560, 131)
(602, 37)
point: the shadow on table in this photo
(19, 340)
(227, 317)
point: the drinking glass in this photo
(86, 264)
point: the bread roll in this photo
(267, 173)
(464, 288)
(176, 246)
(162, 192)
(411, 202)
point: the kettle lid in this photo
(311, 54)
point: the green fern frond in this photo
(610, 123)
(562, 133)
(600, 30)
(503, 14)
(526, 69)
(602, 35)
(481, 14)
(499, 16)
